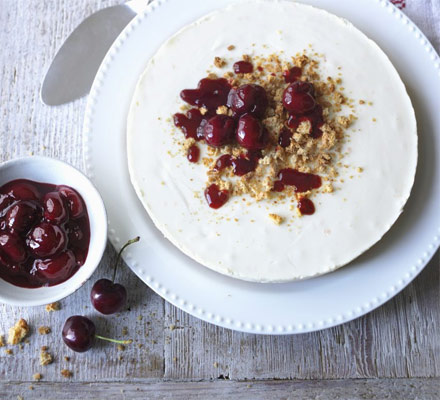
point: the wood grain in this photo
(399, 340)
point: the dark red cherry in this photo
(21, 190)
(56, 269)
(223, 161)
(249, 98)
(298, 98)
(108, 297)
(216, 197)
(306, 206)
(251, 133)
(79, 333)
(243, 67)
(12, 246)
(210, 93)
(193, 154)
(75, 235)
(22, 215)
(219, 130)
(54, 208)
(285, 137)
(74, 201)
(46, 239)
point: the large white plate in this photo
(295, 307)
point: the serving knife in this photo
(71, 74)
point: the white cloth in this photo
(426, 15)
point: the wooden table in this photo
(393, 352)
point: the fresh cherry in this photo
(249, 98)
(251, 134)
(210, 94)
(219, 130)
(298, 97)
(108, 297)
(12, 246)
(79, 334)
(74, 201)
(22, 215)
(46, 239)
(55, 269)
(54, 208)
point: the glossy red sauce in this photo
(193, 153)
(306, 206)
(301, 180)
(44, 233)
(243, 67)
(216, 197)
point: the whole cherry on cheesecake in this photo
(248, 98)
(107, 296)
(79, 333)
(298, 97)
(219, 130)
(251, 134)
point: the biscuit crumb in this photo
(66, 373)
(18, 332)
(361, 101)
(53, 307)
(45, 357)
(66, 358)
(9, 351)
(277, 219)
(231, 47)
(2, 343)
(44, 330)
(359, 169)
(219, 62)
(222, 110)
(37, 376)
(203, 110)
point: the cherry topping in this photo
(243, 67)
(74, 201)
(210, 93)
(285, 137)
(46, 239)
(315, 117)
(291, 75)
(22, 215)
(21, 190)
(107, 296)
(216, 197)
(219, 130)
(190, 124)
(12, 246)
(54, 208)
(249, 98)
(5, 202)
(223, 161)
(79, 334)
(306, 206)
(251, 133)
(301, 180)
(193, 154)
(56, 269)
(298, 98)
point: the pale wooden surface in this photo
(399, 340)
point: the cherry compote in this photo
(44, 233)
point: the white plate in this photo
(295, 307)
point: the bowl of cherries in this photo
(53, 230)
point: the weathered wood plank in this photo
(400, 339)
(375, 389)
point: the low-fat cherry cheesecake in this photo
(272, 141)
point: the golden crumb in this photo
(328, 188)
(344, 121)
(9, 351)
(2, 343)
(66, 358)
(219, 62)
(18, 332)
(203, 110)
(44, 330)
(246, 57)
(277, 219)
(44, 348)
(212, 76)
(359, 169)
(53, 307)
(45, 358)
(361, 101)
(231, 47)
(66, 373)
(222, 110)
(37, 377)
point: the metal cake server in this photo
(71, 74)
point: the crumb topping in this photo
(277, 219)
(45, 357)
(53, 307)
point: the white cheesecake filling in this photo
(238, 239)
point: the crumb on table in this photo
(45, 357)
(53, 307)
(277, 219)
(66, 373)
(44, 330)
(18, 332)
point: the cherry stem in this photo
(136, 239)
(114, 340)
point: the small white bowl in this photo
(49, 170)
